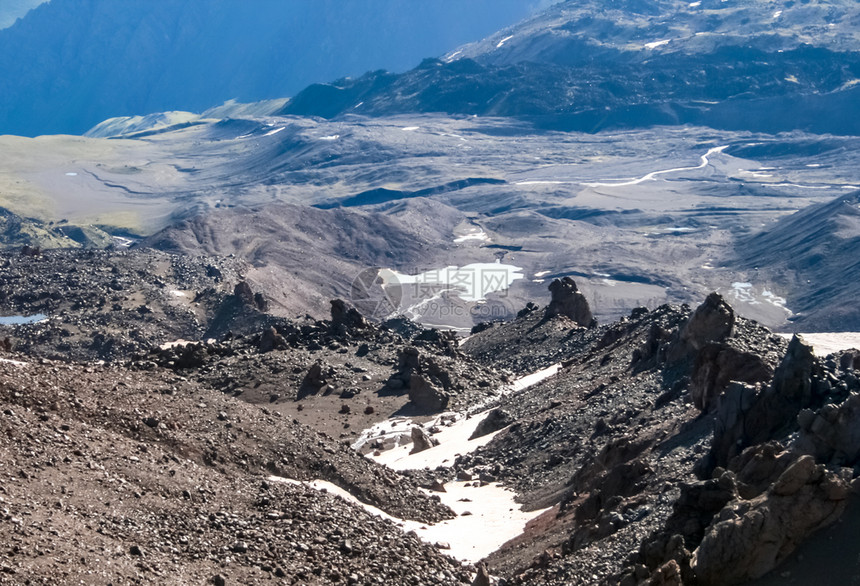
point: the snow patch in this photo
(825, 343)
(455, 428)
(542, 182)
(678, 230)
(122, 241)
(655, 44)
(331, 137)
(503, 41)
(71, 174)
(410, 128)
(453, 441)
(746, 293)
(494, 517)
(480, 235)
(275, 131)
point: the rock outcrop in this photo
(750, 538)
(568, 301)
(421, 440)
(713, 321)
(345, 318)
(747, 415)
(315, 381)
(270, 340)
(832, 433)
(428, 384)
(717, 365)
(426, 396)
(494, 421)
(246, 296)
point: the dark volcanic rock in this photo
(717, 365)
(426, 396)
(343, 315)
(793, 379)
(243, 292)
(750, 538)
(494, 421)
(272, 340)
(421, 440)
(313, 382)
(568, 301)
(747, 415)
(832, 434)
(482, 578)
(712, 321)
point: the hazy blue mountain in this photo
(69, 64)
(11, 10)
(592, 64)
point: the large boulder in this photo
(344, 316)
(712, 321)
(315, 381)
(246, 296)
(272, 340)
(421, 440)
(494, 421)
(243, 292)
(793, 377)
(426, 396)
(568, 301)
(482, 577)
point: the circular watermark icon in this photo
(374, 296)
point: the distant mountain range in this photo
(70, 64)
(12, 10)
(590, 65)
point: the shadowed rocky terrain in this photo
(668, 446)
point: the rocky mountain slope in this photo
(814, 249)
(656, 396)
(279, 240)
(571, 32)
(117, 475)
(667, 447)
(761, 66)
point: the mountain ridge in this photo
(573, 68)
(91, 60)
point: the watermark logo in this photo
(446, 296)
(373, 297)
